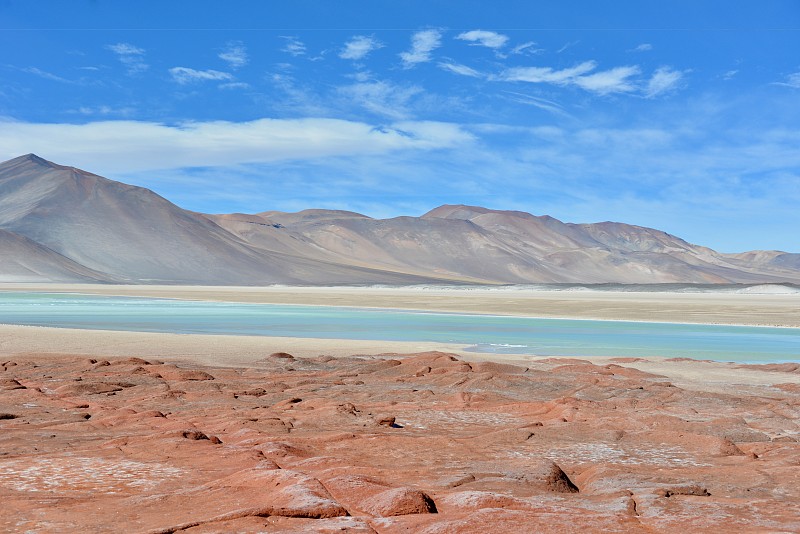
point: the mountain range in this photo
(62, 224)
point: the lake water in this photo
(482, 333)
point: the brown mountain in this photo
(132, 234)
(23, 260)
(65, 224)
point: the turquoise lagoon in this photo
(480, 333)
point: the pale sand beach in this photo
(744, 308)
(243, 351)
(225, 350)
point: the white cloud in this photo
(359, 47)
(730, 74)
(484, 38)
(46, 75)
(792, 80)
(235, 54)
(360, 76)
(131, 146)
(547, 74)
(297, 98)
(566, 46)
(184, 75)
(526, 48)
(234, 85)
(126, 49)
(535, 101)
(132, 57)
(644, 47)
(382, 98)
(422, 44)
(664, 79)
(103, 110)
(293, 46)
(434, 135)
(615, 80)
(463, 70)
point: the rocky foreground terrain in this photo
(423, 443)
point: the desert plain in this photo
(110, 431)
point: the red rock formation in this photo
(296, 445)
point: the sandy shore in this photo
(711, 308)
(240, 351)
(243, 351)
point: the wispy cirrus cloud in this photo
(547, 74)
(422, 44)
(485, 38)
(792, 80)
(359, 47)
(644, 47)
(46, 75)
(297, 97)
(185, 75)
(542, 103)
(132, 57)
(104, 111)
(234, 54)
(528, 47)
(234, 85)
(457, 68)
(382, 98)
(567, 46)
(664, 80)
(616, 80)
(293, 45)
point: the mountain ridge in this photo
(70, 223)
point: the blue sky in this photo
(683, 116)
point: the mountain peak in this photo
(455, 211)
(33, 157)
(465, 212)
(29, 160)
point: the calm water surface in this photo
(484, 333)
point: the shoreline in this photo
(243, 351)
(734, 309)
(248, 351)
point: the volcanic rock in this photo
(485, 446)
(172, 373)
(399, 501)
(10, 383)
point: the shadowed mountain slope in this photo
(23, 260)
(131, 233)
(65, 224)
